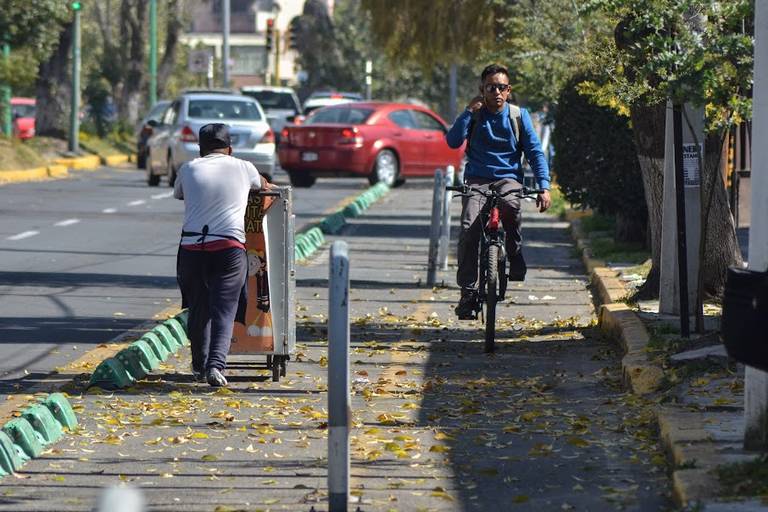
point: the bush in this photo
(596, 162)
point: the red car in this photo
(384, 142)
(23, 111)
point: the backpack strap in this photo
(471, 130)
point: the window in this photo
(274, 100)
(425, 121)
(171, 114)
(224, 109)
(340, 115)
(248, 60)
(157, 112)
(403, 119)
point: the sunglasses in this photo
(494, 87)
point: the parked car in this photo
(145, 129)
(280, 104)
(23, 112)
(174, 137)
(384, 142)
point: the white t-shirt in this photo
(215, 192)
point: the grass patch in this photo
(744, 478)
(598, 222)
(609, 250)
(16, 155)
(642, 270)
(104, 147)
(559, 203)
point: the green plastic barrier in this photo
(167, 338)
(111, 374)
(177, 330)
(130, 358)
(62, 410)
(25, 437)
(10, 461)
(147, 356)
(42, 420)
(182, 318)
(153, 340)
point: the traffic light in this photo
(76, 6)
(269, 34)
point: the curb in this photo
(310, 240)
(90, 162)
(38, 425)
(616, 319)
(138, 359)
(13, 176)
(113, 160)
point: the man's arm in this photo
(459, 131)
(532, 149)
(254, 178)
(178, 192)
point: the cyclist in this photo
(498, 135)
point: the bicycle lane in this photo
(438, 424)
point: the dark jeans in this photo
(211, 283)
(471, 228)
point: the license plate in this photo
(309, 156)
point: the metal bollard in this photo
(121, 499)
(339, 401)
(445, 227)
(434, 232)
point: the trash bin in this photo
(268, 327)
(745, 311)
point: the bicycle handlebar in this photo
(519, 192)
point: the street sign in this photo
(198, 61)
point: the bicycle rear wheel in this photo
(491, 283)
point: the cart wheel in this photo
(275, 372)
(283, 364)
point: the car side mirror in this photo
(153, 123)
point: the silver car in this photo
(174, 138)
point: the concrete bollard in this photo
(434, 232)
(445, 226)
(339, 401)
(121, 499)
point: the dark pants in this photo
(211, 283)
(471, 228)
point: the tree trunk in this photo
(53, 89)
(132, 27)
(720, 246)
(175, 17)
(648, 125)
(631, 229)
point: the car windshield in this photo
(23, 110)
(340, 115)
(224, 109)
(346, 95)
(157, 111)
(273, 99)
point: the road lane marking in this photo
(25, 234)
(109, 210)
(163, 195)
(137, 202)
(67, 222)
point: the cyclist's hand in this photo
(475, 104)
(543, 201)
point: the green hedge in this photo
(596, 162)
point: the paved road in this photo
(85, 259)
(541, 425)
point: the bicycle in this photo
(492, 278)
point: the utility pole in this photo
(74, 119)
(756, 381)
(225, 41)
(6, 93)
(152, 52)
(276, 76)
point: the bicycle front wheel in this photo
(491, 283)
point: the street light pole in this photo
(225, 41)
(7, 121)
(152, 52)
(756, 381)
(74, 119)
(368, 78)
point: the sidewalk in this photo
(543, 424)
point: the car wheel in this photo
(301, 180)
(386, 169)
(141, 159)
(171, 172)
(153, 179)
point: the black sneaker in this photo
(215, 378)
(467, 307)
(198, 375)
(517, 267)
